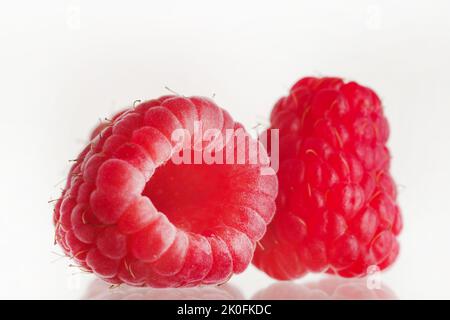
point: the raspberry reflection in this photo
(327, 289)
(100, 290)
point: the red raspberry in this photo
(336, 206)
(130, 215)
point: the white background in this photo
(65, 64)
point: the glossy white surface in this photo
(65, 64)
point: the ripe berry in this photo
(131, 214)
(336, 206)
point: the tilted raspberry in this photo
(336, 206)
(131, 215)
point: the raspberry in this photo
(131, 214)
(336, 206)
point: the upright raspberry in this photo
(131, 214)
(336, 206)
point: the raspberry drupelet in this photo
(336, 205)
(131, 215)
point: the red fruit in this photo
(336, 205)
(131, 214)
